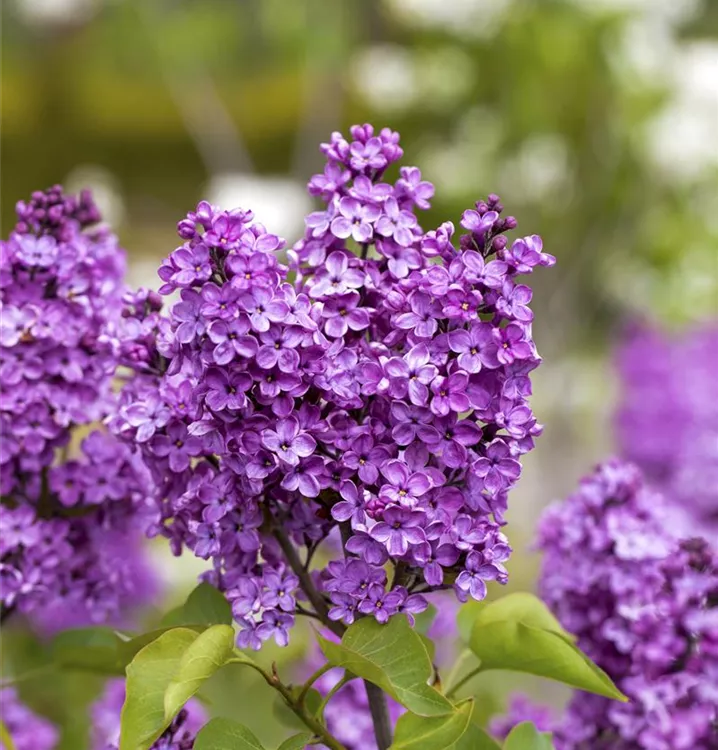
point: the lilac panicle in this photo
(643, 605)
(667, 420)
(27, 730)
(67, 522)
(372, 387)
(105, 715)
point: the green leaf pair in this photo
(164, 675)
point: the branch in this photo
(305, 581)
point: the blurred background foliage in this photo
(595, 120)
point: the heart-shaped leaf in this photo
(393, 657)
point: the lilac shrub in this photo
(26, 729)
(70, 543)
(643, 604)
(105, 714)
(667, 421)
(371, 389)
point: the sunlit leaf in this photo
(518, 635)
(393, 657)
(148, 676)
(210, 652)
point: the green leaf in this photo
(174, 618)
(297, 742)
(421, 733)
(458, 731)
(467, 616)
(475, 739)
(130, 647)
(525, 607)
(148, 676)
(224, 734)
(393, 657)
(5, 738)
(89, 650)
(207, 605)
(525, 736)
(164, 675)
(210, 652)
(518, 635)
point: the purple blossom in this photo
(396, 223)
(355, 220)
(337, 277)
(422, 319)
(176, 446)
(193, 266)
(399, 528)
(339, 396)
(449, 394)
(289, 442)
(498, 468)
(380, 603)
(411, 374)
(403, 486)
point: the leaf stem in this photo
(466, 678)
(312, 679)
(305, 580)
(295, 704)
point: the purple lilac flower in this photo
(106, 710)
(27, 730)
(71, 553)
(667, 420)
(641, 602)
(372, 389)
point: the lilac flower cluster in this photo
(105, 712)
(66, 522)
(643, 605)
(27, 730)
(381, 394)
(667, 421)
